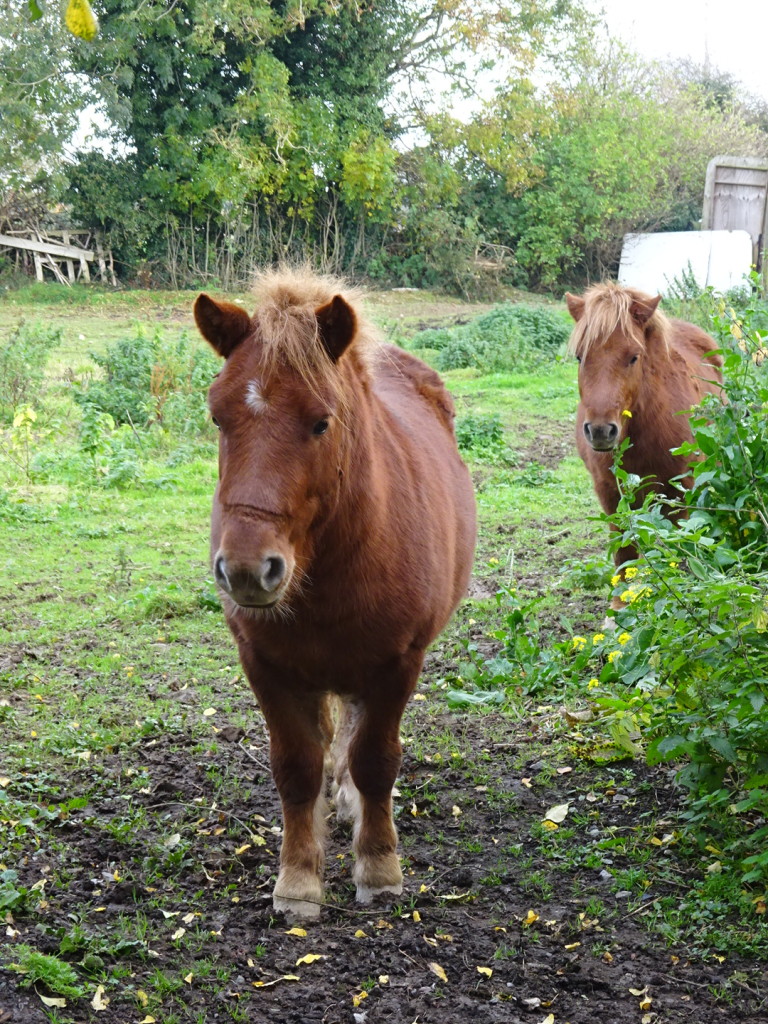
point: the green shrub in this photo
(23, 357)
(40, 968)
(482, 436)
(148, 380)
(508, 337)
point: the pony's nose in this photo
(601, 436)
(251, 584)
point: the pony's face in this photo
(280, 440)
(610, 374)
(609, 379)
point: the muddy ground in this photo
(498, 923)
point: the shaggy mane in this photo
(607, 307)
(287, 299)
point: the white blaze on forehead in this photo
(254, 398)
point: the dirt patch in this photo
(499, 921)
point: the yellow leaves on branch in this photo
(80, 20)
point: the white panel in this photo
(717, 258)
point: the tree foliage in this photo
(401, 139)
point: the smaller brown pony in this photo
(342, 537)
(639, 375)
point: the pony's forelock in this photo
(287, 328)
(607, 308)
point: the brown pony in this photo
(638, 372)
(343, 531)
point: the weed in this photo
(42, 968)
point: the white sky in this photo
(732, 34)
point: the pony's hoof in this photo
(374, 875)
(366, 893)
(295, 909)
(298, 895)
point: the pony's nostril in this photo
(220, 571)
(273, 572)
(588, 431)
(613, 431)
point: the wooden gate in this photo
(736, 198)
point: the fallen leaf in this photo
(430, 942)
(444, 936)
(360, 934)
(487, 971)
(209, 711)
(557, 813)
(170, 913)
(381, 923)
(530, 917)
(172, 841)
(564, 770)
(242, 849)
(357, 999)
(309, 958)
(573, 945)
(188, 978)
(383, 979)
(148, 1020)
(53, 1001)
(455, 810)
(300, 932)
(141, 997)
(416, 916)
(549, 825)
(645, 1004)
(549, 1019)
(285, 977)
(188, 918)
(178, 934)
(4, 781)
(99, 1002)
(527, 783)
(438, 970)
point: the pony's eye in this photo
(320, 427)
(215, 422)
(578, 359)
(633, 360)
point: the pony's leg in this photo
(346, 795)
(374, 754)
(299, 731)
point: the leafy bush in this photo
(149, 381)
(23, 357)
(482, 436)
(40, 968)
(508, 337)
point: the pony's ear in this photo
(575, 305)
(222, 324)
(336, 324)
(643, 309)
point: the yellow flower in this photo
(623, 638)
(613, 656)
(578, 642)
(628, 596)
(630, 572)
(598, 637)
(626, 412)
(615, 580)
(593, 682)
(673, 565)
